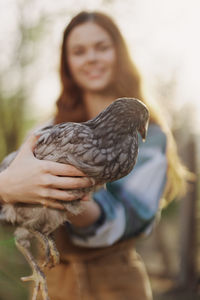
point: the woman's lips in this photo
(94, 74)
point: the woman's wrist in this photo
(89, 215)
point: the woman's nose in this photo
(92, 55)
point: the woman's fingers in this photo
(61, 195)
(67, 182)
(51, 204)
(60, 169)
(51, 198)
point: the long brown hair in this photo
(127, 83)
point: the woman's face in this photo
(91, 57)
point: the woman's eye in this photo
(103, 47)
(78, 52)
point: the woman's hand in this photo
(30, 180)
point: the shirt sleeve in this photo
(129, 205)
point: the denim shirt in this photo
(130, 204)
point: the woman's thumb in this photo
(29, 143)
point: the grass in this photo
(12, 267)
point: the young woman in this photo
(98, 259)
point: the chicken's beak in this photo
(143, 131)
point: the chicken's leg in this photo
(53, 249)
(44, 241)
(49, 245)
(37, 276)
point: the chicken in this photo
(104, 148)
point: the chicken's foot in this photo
(37, 276)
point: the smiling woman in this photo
(98, 257)
(95, 69)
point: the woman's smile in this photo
(95, 72)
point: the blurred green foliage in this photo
(17, 79)
(11, 122)
(12, 267)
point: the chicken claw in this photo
(37, 276)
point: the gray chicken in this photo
(105, 148)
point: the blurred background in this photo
(163, 39)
